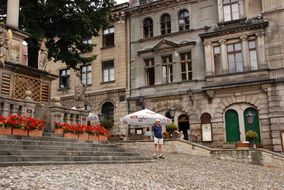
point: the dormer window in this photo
(148, 27)
(231, 10)
(183, 19)
(165, 24)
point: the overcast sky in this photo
(121, 1)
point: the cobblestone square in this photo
(176, 171)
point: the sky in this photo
(121, 1)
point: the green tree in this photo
(65, 24)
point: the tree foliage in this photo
(65, 24)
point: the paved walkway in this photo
(175, 172)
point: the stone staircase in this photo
(21, 150)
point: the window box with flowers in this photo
(35, 127)
(17, 123)
(58, 128)
(4, 129)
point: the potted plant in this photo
(171, 127)
(251, 136)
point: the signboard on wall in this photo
(206, 132)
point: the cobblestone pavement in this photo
(176, 171)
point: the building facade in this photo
(106, 77)
(219, 63)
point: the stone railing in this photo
(250, 156)
(50, 114)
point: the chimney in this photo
(13, 13)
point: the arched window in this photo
(183, 19)
(165, 24)
(148, 27)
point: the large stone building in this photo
(217, 63)
(106, 77)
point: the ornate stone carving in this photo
(42, 55)
(79, 91)
(3, 45)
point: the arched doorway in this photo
(232, 126)
(108, 115)
(183, 125)
(254, 125)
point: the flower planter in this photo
(102, 138)
(241, 145)
(93, 137)
(21, 132)
(70, 135)
(5, 131)
(59, 131)
(83, 136)
(35, 133)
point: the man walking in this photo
(158, 139)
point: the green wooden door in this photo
(255, 124)
(232, 126)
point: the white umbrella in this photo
(144, 117)
(92, 117)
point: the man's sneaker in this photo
(155, 156)
(161, 156)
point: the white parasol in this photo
(144, 117)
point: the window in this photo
(235, 59)
(88, 41)
(217, 59)
(108, 71)
(148, 27)
(231, 10)
(108, 37)
(86, 74)
(183, 20)
(186, 69)
(165, 24)
(167, 69)
(64, 78)
(253, 55)
(150, 72)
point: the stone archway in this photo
(183, 125)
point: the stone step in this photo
(65, 153)
(28, 163)
(19, 150)
(55, 143)
(66, 148)
(48, 139)
(17, 158)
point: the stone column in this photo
(224, 57)
(220, 11)
(158, 70)
(176, 67)
(241, 9)
(13, 13)
(245, 53)
(208, 58)
(261, 50)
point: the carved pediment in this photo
(164, 45)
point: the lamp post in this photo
(101, 117)
(172, 113)
(250, 118)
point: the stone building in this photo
(218, 63)
(106, 77)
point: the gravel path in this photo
(176, 171)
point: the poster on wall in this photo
(206, 132)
